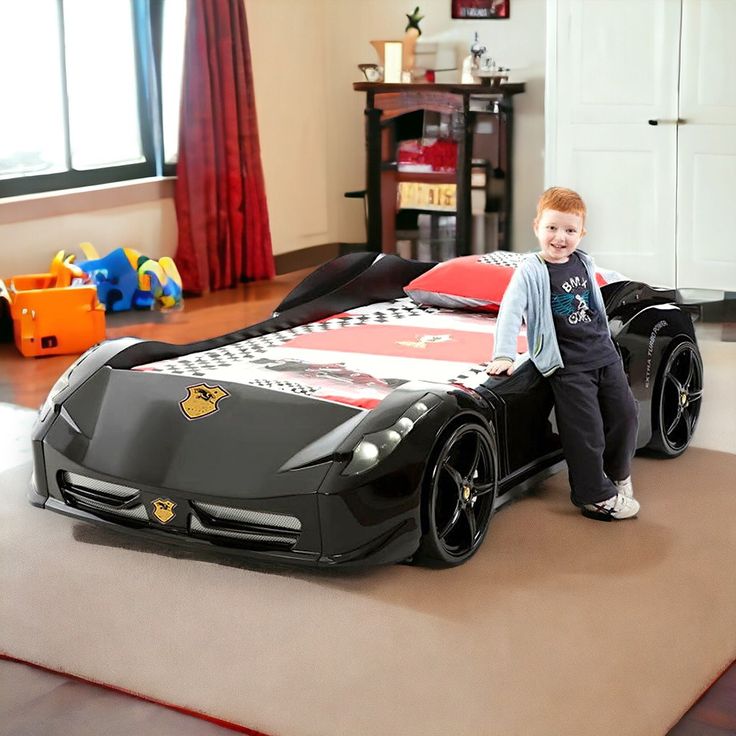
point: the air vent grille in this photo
(248, 516)
(257, 529)
(108, 495)
(255, 539)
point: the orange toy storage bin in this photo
(50, 320)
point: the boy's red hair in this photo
(562, 200)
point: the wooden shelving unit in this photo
(468, 105)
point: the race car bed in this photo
(355, 426)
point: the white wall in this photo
(311, 127)
(287, 42)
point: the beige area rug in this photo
(717, 424)
(559, 626)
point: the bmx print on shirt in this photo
(573, 304)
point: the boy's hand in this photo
(500, 366)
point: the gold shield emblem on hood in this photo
(163, 509)
(202, 400)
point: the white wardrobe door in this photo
(617, 60)
(706, 197)
(615, 68)
(626, 174)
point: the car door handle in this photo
(667, 121)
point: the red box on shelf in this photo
(427, 157)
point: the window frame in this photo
(148, 31)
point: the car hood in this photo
(187, 434)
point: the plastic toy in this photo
(52, 313)
(125, 279)
(65, 272)
(162, 279)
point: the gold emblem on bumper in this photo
(202, 400)
(163, 509)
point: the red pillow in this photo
(476, 282)
(468, 282)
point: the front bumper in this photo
(125, 458)
(352, 526)
(283, 527)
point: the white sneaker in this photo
(625, 487)
(617, 507)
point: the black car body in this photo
(279, 475)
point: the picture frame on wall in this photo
(480, 9)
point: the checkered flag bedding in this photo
(200, 364)
(502, 258)
(356, 357)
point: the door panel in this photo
(706, 258)
(616, 69)
(617, 60)
(708, 75)
(627, 176)
(658, 195)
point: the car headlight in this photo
(62, 382)
(375, 447)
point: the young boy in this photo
(556, 292)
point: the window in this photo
(90, 91)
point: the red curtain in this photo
(221, 210)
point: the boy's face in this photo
(558, 234)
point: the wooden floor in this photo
(26, 381)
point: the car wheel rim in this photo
(464, 489)
(682, 391)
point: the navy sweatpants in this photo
(597, 418)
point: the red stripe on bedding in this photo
(405, 342)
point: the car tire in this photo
(677, 399)
(458, 495)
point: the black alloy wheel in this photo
(677, 400)
(458, 495)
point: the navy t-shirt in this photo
(582, 333)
